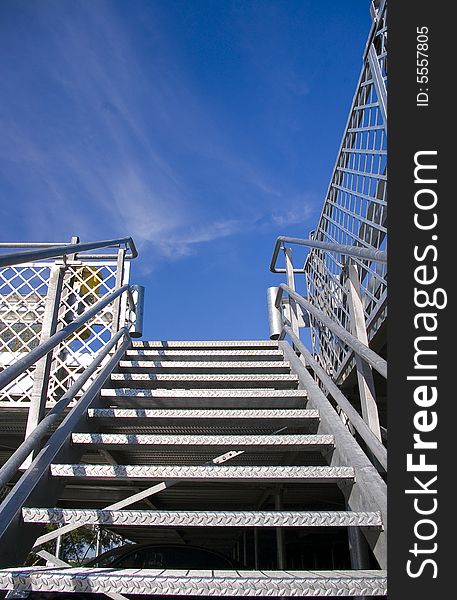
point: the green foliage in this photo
(78, 546)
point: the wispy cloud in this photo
(296, 212)
(107, 145)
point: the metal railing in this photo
(87, 305)
(44, 250)
(33, 441)
(39, 296)
(71, 309)
(372, 442)
(362, 253)
(287, 316)
(12, 505)
(11, 372)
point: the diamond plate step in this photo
(204, 472)
(272, 442)
(222, 398)
(207, 355)
(195, 583)
(219, 367)
(206, 344)
(153, 380)
(273, 416)
(175, 518)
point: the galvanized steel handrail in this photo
(45, 251)
(348, 250)
(12, 505)
(372, 442)
(31, 443)
(11, 372)
(373, 359)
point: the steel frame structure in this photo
(69, 323)
(354, 211)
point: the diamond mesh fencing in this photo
(23, 293)
(82, 287)
(28, 301)
(354, 211)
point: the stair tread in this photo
(172, 354)
(184, 582)
(204, 398)
(231, 396)
(211, 380)
(173, 344)
(203, 472)
(175, 413)
(206, 377)
(199, 364)
(203, 518)
(289, 440)
(204, 393)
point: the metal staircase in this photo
(271, 453)
(235, 453)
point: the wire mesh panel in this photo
(83, 285)
(23, 293)
(30, 294)
(355, 208)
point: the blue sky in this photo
(202, 128)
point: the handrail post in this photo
(98, 544)
(280, 546)
(364, 373)
(43, 366)
(293, 315)
(58, 549)
(274, 314)
(118, 284)
(358, 550)
(136, 328)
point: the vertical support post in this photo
(118, 284)
(43, 366)
(364, 372)
(256, 548)
(68, 298)
(279, 535)
(136, 328)
(245, 556)
(72, 257)
(274, 314)
(358, 549)
(58, 546)
(98, 545)
(358, 552)
(293, 315)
